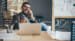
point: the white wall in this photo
(73, 7)
(64, 8)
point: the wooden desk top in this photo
(13, 37)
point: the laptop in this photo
(29, 28)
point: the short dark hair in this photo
(24, 3)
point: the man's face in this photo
(26, 7)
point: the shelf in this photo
(64, 16)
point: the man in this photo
(26, 16)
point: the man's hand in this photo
(30, 14)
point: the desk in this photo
(14, 37)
